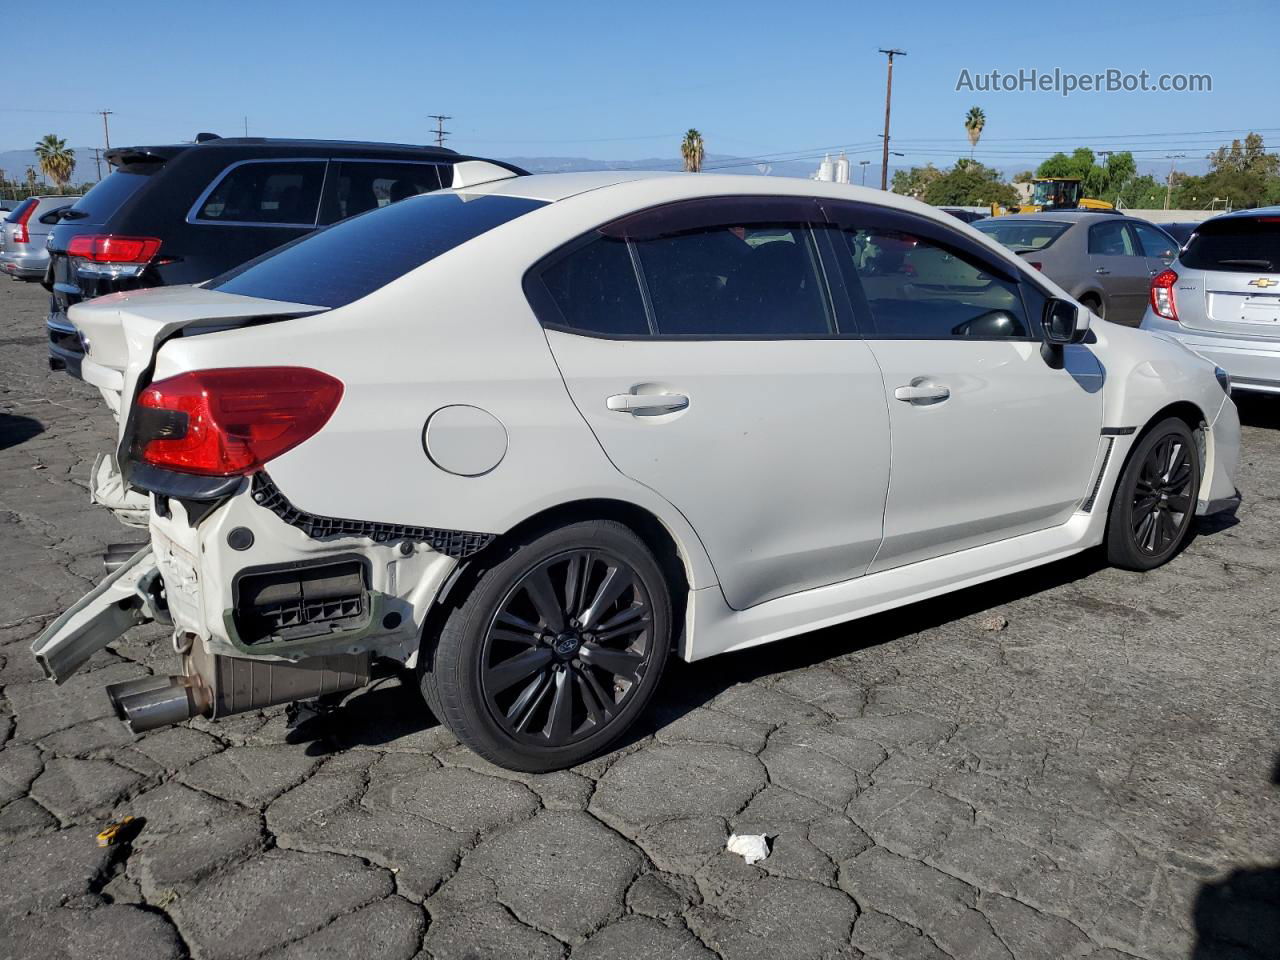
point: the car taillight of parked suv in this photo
(184, 213)
(1221, 297)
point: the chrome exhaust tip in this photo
(152, 702)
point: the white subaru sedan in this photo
(532, 436)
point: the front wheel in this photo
(1153, 507)
(556, 650)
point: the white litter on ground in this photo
(751, 847)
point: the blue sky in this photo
(624, 80)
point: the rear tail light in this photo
(230, 422)
(1162, 300)
(20, 233)
(112, 248)
(1039, 266)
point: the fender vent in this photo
(1097, 481)
(452, 543)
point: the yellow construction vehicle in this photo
(1054, 193)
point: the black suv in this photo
(187, 212)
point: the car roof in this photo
(1273, 211)
(1066, 216)
(167, 151)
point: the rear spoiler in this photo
(126, 156)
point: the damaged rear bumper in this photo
(262, 610)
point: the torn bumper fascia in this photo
(200, 571)
(1218, 492)
(121, 601)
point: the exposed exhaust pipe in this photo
(217, 686)
(157, 701)
(118, 554)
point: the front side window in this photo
(1156, 243)
(736, 280)
(1111, 239)
(283, 192)
(915, 289)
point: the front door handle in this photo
(922, 393)
(652, 403)
(1102, 270)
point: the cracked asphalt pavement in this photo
(1072, 762)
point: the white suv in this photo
(532, 435)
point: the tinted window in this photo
(753, 280)
(917, 290)
(367, 185)
(1155, 243)
(1111, 239)
(351, 259)
(109, 195)
(287, 192)
(1241, 244)
(1022, 236)
(22, 208)
(595, 289)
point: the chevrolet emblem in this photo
(1264, 282)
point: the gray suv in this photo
(1104, 260)
(24, 233)
(1221, 297)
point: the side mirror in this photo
(1064, 322)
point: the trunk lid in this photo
(123, 331)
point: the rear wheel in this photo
(1154, 503)
(556, 650)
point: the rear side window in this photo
(917, 290)
(1111, 239)
(595, 289)
(1235, 244)
(1022, 236)
(749, 280)
(109, 195)
(363, 185)
(342, 263)
(285, 193)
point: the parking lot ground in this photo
(1072, 762)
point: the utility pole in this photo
(864, 164)
(888, 95)
(97, 162)
(1173, 159)
(441, 132)
(106, 131)
(246, 126)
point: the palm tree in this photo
(57, 161)
(691, 150)
(974, 121)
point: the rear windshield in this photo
(1238, 244)
(109, 195)
(339, 264)
(1022, 236)
(22, 208)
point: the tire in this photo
(522, 672)
(1153, 507)
(1095, 304)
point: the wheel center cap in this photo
(566, 645)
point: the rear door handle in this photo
(647, 402)
(1102, 270)
(922, 393)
